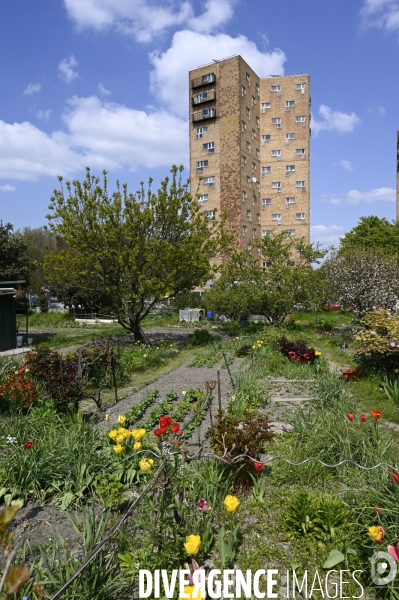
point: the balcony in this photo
(203, 97)
(204, 80)
(202, 115)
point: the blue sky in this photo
(104, 83)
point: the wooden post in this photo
(219, 391)
(113, 374)
(62, 376)
(80, 362)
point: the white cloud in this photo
(102, 135)
(7, 188)
(346, 164)
(189, 48)
(32, 88)
(146, 18)
(334, 120)
(383, 14)
(382, 194)
(382, 111)
(326, 234)
(44, 114)
(66, 69)
(103, 90)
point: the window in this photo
(253, 167)
(248, 78)
(249, 246)
(289, 169)
(248, 180)
(266, 202)
(266, 263)
(203, 198)
(248, 146)
(253, 232)
(244, 195)
(276, 122)
(276, 153)
(289, 201)
(209, 112)
(290, 232)
(300, 216)
(253, 200)
(209, 181)
(290, 263)
(300, 152)
(258, 152)
(248, 111)
(300, 184)
(300, 120)
(258, 218)
(276, 217)
(210, 214)
(301, 87)
(243, 90)
(257, 88)
(253, 100)
(266, 170)
(266, 232)
(258, 121)
(289, 136)
(253, 134)
(264, 106)
(200, 131)
(200, 97)
(249, 214)
(243, 125)
(210, 146)
(276, 185)
(276, 88)
(201, 165)
(208, 78)
(266, 137)
(243, 160)
(244, 230)
(289, 104)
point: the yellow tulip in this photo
(253, 347)
(146, 464)
(137, 446)
(192, 544)
(138, 434)
(118, 449)
(145, 356)
(188, 589)
(231, 503)
(376, 533)
(107, 417)
(120, 437)
(121, 419)
(112, 434)
(318, 353)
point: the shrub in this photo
(201, 337)
(17, 392)
(297, 351)
(378, 345)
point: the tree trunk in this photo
(136, 330)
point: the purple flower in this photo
(373, 332)
(392, 344)
(74, 367)
(203, 505)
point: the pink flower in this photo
(196, 567)
(351, 416)
(392, 344)
(203, 505)
(373, 332)
(394, 551)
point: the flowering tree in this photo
(378, 344)
(362, 281)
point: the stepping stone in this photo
(291, 400)
(280, 427)
(284, 380)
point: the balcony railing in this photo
(204, 80)
(204, 97)
(202, 115)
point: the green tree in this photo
(372, 233)
(14, 262)
(38, 243)
(137, 249)
(272, 284)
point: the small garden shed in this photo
(8, 324)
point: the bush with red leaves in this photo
(296, 351)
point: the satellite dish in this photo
(254, 179)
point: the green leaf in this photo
(334, 558)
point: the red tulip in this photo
(160, 431)
(258, 466)
(169, 420)
(28, 444)
(351, 416)
(163, 421)
(175, 427)
(376, 414)
(363, 418)
(203, 505)
(395, 476)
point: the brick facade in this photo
(238, 109)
